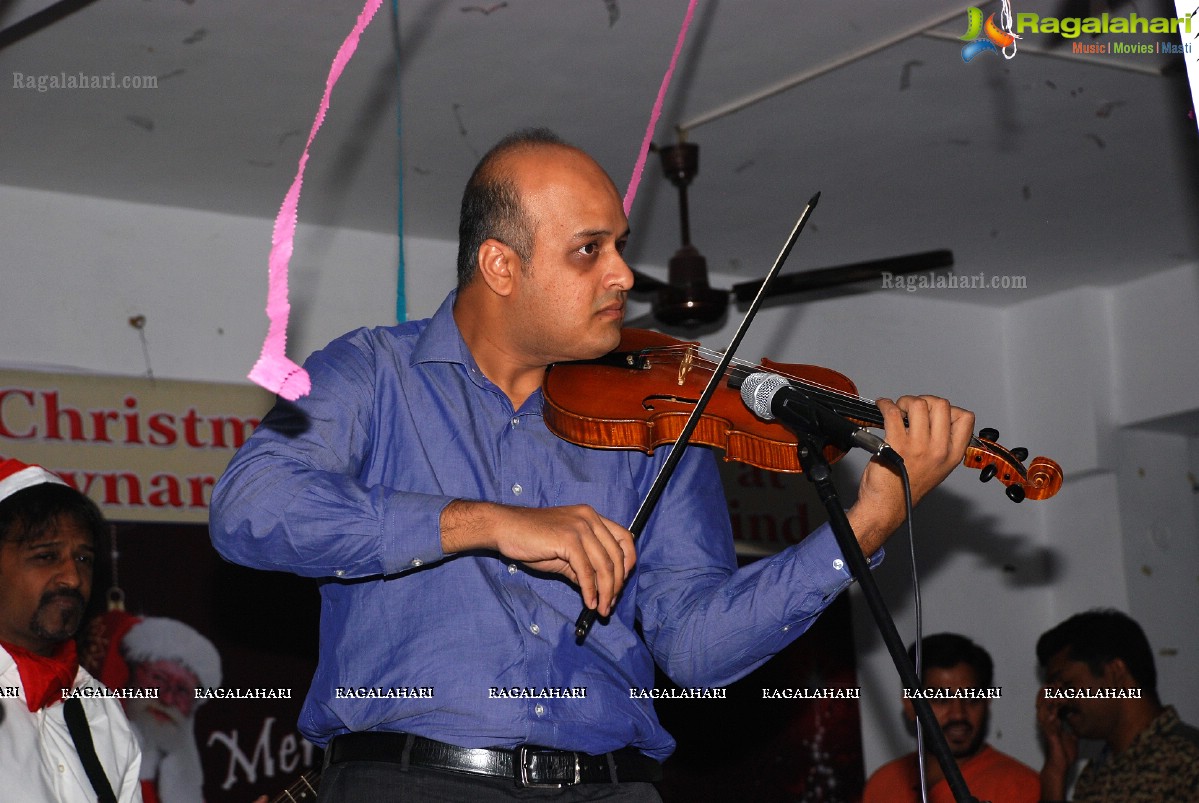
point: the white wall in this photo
(1085, 377)
(76, 269)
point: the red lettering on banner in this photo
(239, 428)
(190, 419)
(198, 486)
(164, 497)
(162, 430)
(60, 422)
(112, 494)
(53, 415)
(4, 430)
(133, 430)
(70, 479)
(100, 419)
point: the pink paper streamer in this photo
(274, 371)
(631, 192)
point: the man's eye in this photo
(589, 249)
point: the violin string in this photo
(842, 402)
(856, 406)
(863, 408)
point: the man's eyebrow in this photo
(589, 233)
(44, 542)
(40, 542)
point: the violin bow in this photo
(589, 615)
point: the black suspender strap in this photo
(81, 735)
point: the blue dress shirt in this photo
(348, 485)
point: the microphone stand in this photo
(812, 441)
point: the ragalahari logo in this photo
(983, 36)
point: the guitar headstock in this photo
(1041, 479)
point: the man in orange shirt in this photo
(957, 675)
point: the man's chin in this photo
(59, 626)
(962, 750)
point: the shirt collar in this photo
(441, 341)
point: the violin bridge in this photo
(685, 366)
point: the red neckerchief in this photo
(44, 677)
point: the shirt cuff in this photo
(823, 558)
(411, 535)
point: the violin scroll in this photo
(1040, 480)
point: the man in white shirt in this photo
(48, 536)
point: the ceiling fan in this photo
(686, 299)
(39, 20)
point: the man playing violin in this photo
(456, 537)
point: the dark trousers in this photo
(381, 782)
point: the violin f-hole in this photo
(648, 402)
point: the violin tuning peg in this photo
(988, 473)
(1020, 453)
(988, 434)
(1015, 493)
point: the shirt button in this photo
(838, 564)
(539, 710)
(511, 568)
(534, 629)
(516, 489)
(515, 421)
(62, 768)
(786, 628)
(340, 572)
(417, 562)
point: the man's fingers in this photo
(607, 577)
(613, 560)
(594, 553)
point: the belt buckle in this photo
(521, 757)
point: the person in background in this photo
(174, 659)
(48, 538)
(1101, 683)
(961, 671)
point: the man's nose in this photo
(622, 275)
(71, 574)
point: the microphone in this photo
(771, 396)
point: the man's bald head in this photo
(491, 202)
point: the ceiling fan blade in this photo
(39, 20)
(644, 283)
(823, 278)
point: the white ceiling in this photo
(1067, 172)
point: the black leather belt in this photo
(526, 765)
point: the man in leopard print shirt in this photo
(1101, 683)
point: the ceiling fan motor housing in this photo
(688, 299)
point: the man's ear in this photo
(498, 266)
(1116, 672)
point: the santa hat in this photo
(17, 476)
(156, 638)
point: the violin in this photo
(641, 395)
